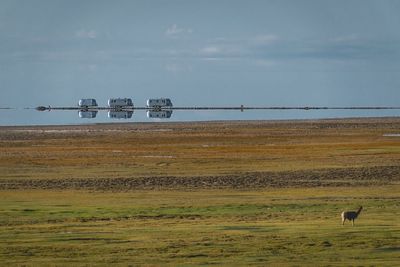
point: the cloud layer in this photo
(175, 31)
(86, 34)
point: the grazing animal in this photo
(350, 215)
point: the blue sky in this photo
(299, 52)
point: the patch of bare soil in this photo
(367, 176)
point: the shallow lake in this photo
(10, 117)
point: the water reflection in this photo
(87, 114)
(159, 114)
(162, 108)
(65, 117)
(125, 114)
(116, 114)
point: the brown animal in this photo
(350, 215)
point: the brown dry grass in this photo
(195, 149)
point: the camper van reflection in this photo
(85, 114)
(160, 114)
(159, 102)
(112, 114)
(87, 102)
(120, 102)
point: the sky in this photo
(203, 53)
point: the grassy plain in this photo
(269, 225)
(279, 227)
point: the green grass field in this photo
(279, 227)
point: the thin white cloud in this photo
(345, 38)
(231, 50)
(88, 68)
(86, 34)
(175, 67)
(211, 59)
(264, 39)
(174, 31)
(172, 68)
(211, 50)
(227, 48)
(264, 63)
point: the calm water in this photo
(57, 117)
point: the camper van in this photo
(87, 103)
(120, 102)
(113, 114)
(159, 102)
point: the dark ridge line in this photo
(333, 177)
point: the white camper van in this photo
(159, 102)
(87, 103)
(120, 102)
